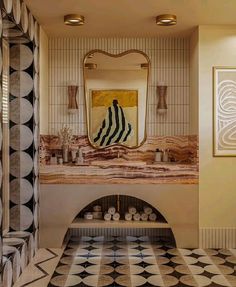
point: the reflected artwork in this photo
(114, 117)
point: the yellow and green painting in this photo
(114, 117)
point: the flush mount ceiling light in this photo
(74, 20)
(166, 20)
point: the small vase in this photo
(65, 151)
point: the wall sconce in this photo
(72, 92)
(161, 92)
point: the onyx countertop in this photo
(119, 171)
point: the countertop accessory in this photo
(65, 135)
(158, 155)
(165, 157)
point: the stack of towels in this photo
(95, 214)
(111, 214)
(145, 215)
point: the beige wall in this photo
(43, 85)
(178, 203)
(217, 175)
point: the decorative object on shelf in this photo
(72, 92)
(116, 216)
(111, 210)
(136, 216)
(53, 159)
(165, 157)
(147, 210)
(107, 216)
(74, 20)
(153, 217)
(60, 160)
(79, 157)
(132, 210)
(161, 106)
(224, 140)
(166, 20)
(73, 155)
(128, 216)
(144, 216)
(97, 214)
(65, 135)
(158, 155)
(97, 208)
(88, 216)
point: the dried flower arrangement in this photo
(65, 135)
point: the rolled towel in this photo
(116, 216)
(111, 210)
(88, 216)
(128, 216)
(107, 216)
(136, 217)
(97, 208)
(132, 210)
(97, 214)
(144, 216)
(153, 217)
(147, 210)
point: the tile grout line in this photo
(45, 274)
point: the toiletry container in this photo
(165, 155)
(158, 155)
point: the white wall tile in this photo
(169, 63)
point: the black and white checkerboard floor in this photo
(139, 261)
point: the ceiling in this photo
(130, 18)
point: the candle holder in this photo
(161, 106)
(72, 92)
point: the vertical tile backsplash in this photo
(169, 63)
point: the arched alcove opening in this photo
(154, 224)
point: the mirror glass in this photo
(116, 98)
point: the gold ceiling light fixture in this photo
(74, 20)
(166, 20)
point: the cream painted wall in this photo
(43, 84)
(178, 203)
(217, 47)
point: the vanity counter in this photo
(115, 172)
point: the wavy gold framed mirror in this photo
(116, 92)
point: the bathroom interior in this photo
(118, 148)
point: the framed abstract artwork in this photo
(224, 113)
(114, 117)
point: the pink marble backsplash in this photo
(183, 149)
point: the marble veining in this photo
(118, 164)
